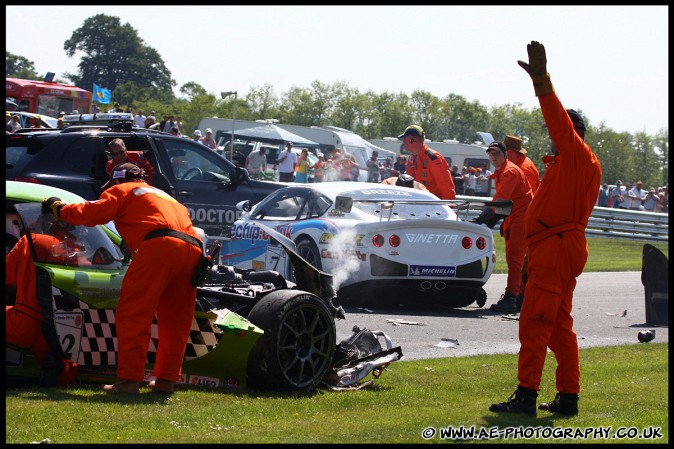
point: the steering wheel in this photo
(193, 169)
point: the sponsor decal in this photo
(325, 238)
(335, 213)
(423, 270)
(258, 265)
(327, 254)
(202, 215)
(231, 383)
(250, 231)
(202, 381)
(384, 192)
(443, 239)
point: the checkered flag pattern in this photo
(99, 338)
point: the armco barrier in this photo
(608, 222)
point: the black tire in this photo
(298, 344)
(309, 252)
(481, 298)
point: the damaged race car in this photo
(250, 327)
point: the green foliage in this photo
(621, 386)
(113, 54)
(20, 67)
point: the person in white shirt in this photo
(139, 119)
(286, 164)
(196, 136)
(636, 195)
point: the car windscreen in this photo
(57, 242)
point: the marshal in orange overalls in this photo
(159, 278)
(511, 184)
(557, 251)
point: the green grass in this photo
(604, 254)
(622, 386)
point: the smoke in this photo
(342, 251)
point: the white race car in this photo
(379, 242)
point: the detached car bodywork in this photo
(249, 328)
(380, 242)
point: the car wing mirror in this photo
(243, 205)
(343, 204)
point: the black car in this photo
(75, 157)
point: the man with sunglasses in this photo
(119, 155)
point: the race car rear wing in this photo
(500, 207)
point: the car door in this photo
(203, 181)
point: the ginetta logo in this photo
(443, 239)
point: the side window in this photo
(195, 162)
(315, 206)
(84, 156)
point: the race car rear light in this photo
(467, 242)
(378, 241)
(394, 241)
(481, 243)
(32, 180)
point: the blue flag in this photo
(101, 95)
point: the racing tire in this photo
(481, 298)
(296, 350)
(309, 252)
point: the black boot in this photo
(522, 400)
(519, 301)
(507, 304)
(564, 403)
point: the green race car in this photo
(250, 328)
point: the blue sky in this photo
(610, 62)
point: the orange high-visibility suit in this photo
(557, 252)
(531, 173)
(159, 278)
(22, 320)
(431, 169)
(511, 184)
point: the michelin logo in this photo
(421, 270)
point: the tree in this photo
(20, 67)
(113, 55)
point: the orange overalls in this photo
(159, 278)
(511, 184)
(431, 169)
(22, 320)
(557, 252)
(530, 171)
